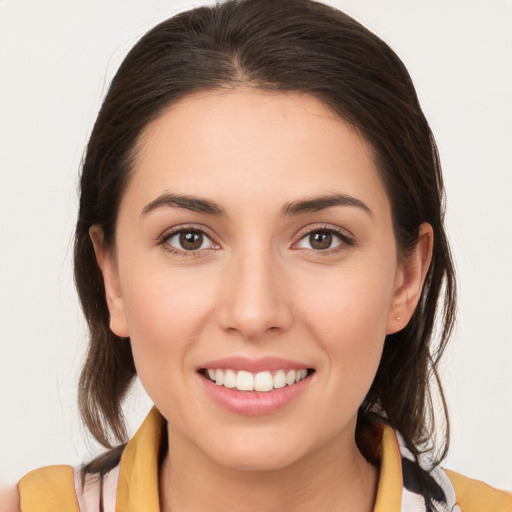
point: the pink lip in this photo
(253, 365)
(254, 403)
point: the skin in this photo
(259, 288)
(9, 499)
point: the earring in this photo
(398, 318)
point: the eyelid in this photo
(170, 232)
(346, 237)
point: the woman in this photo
(260, 240)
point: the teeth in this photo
(290, 377)
(279, 379)
(229, 379)
(244, 381)
(261, 381)
(300, 375)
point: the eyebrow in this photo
(201, 205)
(196, 204)
(316, 204)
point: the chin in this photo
(268, 460)
(259, 451)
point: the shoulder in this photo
(48, 488)
(9, 499)
(446, 489)
(67, 489)
(475, 496)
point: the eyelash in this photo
(164, 239)
(346, 240)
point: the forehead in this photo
(243, 143)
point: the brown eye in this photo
(191, 240)
(320, 240)
(188, 240)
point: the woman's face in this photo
(255, 247)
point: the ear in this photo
(409, 280)
(108, 267)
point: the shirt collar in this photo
(137, 488)
(138, 476)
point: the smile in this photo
(254, 387)
(263, 381)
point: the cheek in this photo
(348, 316)
(165, 311)
(352, 304)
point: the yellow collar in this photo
(137, 488)
(138, 477)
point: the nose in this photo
(255, 299)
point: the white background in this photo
(56, 60)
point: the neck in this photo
(334, 477)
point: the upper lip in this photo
(260, 364)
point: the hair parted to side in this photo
(276, 45)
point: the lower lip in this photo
(254, 403)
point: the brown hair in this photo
(283, 45)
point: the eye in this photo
(323, 240)
(188, 240)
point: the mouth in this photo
(255, 387)
(262, 382)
